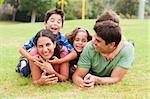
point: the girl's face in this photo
(45, 47)
(54, 23)
(80, 41)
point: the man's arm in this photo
(116, 76)
(79, 75)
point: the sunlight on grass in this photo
(135, 85)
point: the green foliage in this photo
(128, 8)
(73, 10)
(135, 85)
(1, 1)
(41, 6)
(147, 7)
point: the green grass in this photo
(135, 85)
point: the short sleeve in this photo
(85, 57)
(63, 41)
(63, 51)
(29, 44)
(127, 56)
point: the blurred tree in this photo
(147, 7)
(128, 8)
(15, 7)
(35, 6)
(95, 8)
(73, 9)
(1, 1)
(59, 4)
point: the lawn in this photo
(135, 85)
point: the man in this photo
(93, 67)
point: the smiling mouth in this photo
(54, 29)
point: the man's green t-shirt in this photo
(99, 66)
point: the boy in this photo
(53, 21)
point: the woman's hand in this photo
(48, 79)
(55, 60)
(44, 65)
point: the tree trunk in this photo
(33, 17)
(14, 14)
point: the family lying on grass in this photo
(102, 59)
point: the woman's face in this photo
(45, 47)
(80, 41)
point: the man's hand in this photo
(88, 81)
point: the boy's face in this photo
(54, 23)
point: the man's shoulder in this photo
(89, 45)
(89, 49)
(127, 49)
(127, 46)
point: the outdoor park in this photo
(135, 85)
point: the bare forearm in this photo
(37, 82)
(25, 53)
(60, 76)
(106, 80)
(77, 80)
(72, 55)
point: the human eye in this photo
(84, 40)
(48, 44)
(52, 20)
(98, 40)
(59, 22)
(40, 46)
(76, 39)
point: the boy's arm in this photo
(72, 55)
(25, 53)
(24, 50)
(116, 51)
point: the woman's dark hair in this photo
(49, 34)
(71, 36)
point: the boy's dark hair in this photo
(50, 35)
(109, 31)
(71, 36)
(56, 11)
(108, 15)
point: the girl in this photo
(78, 38)
(42, 71)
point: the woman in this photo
(42, 71)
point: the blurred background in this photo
(34, 10)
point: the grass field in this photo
(135, 85)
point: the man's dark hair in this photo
(56, 11)
(109, 31)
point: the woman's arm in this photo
(46, 66)
(40, 78)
